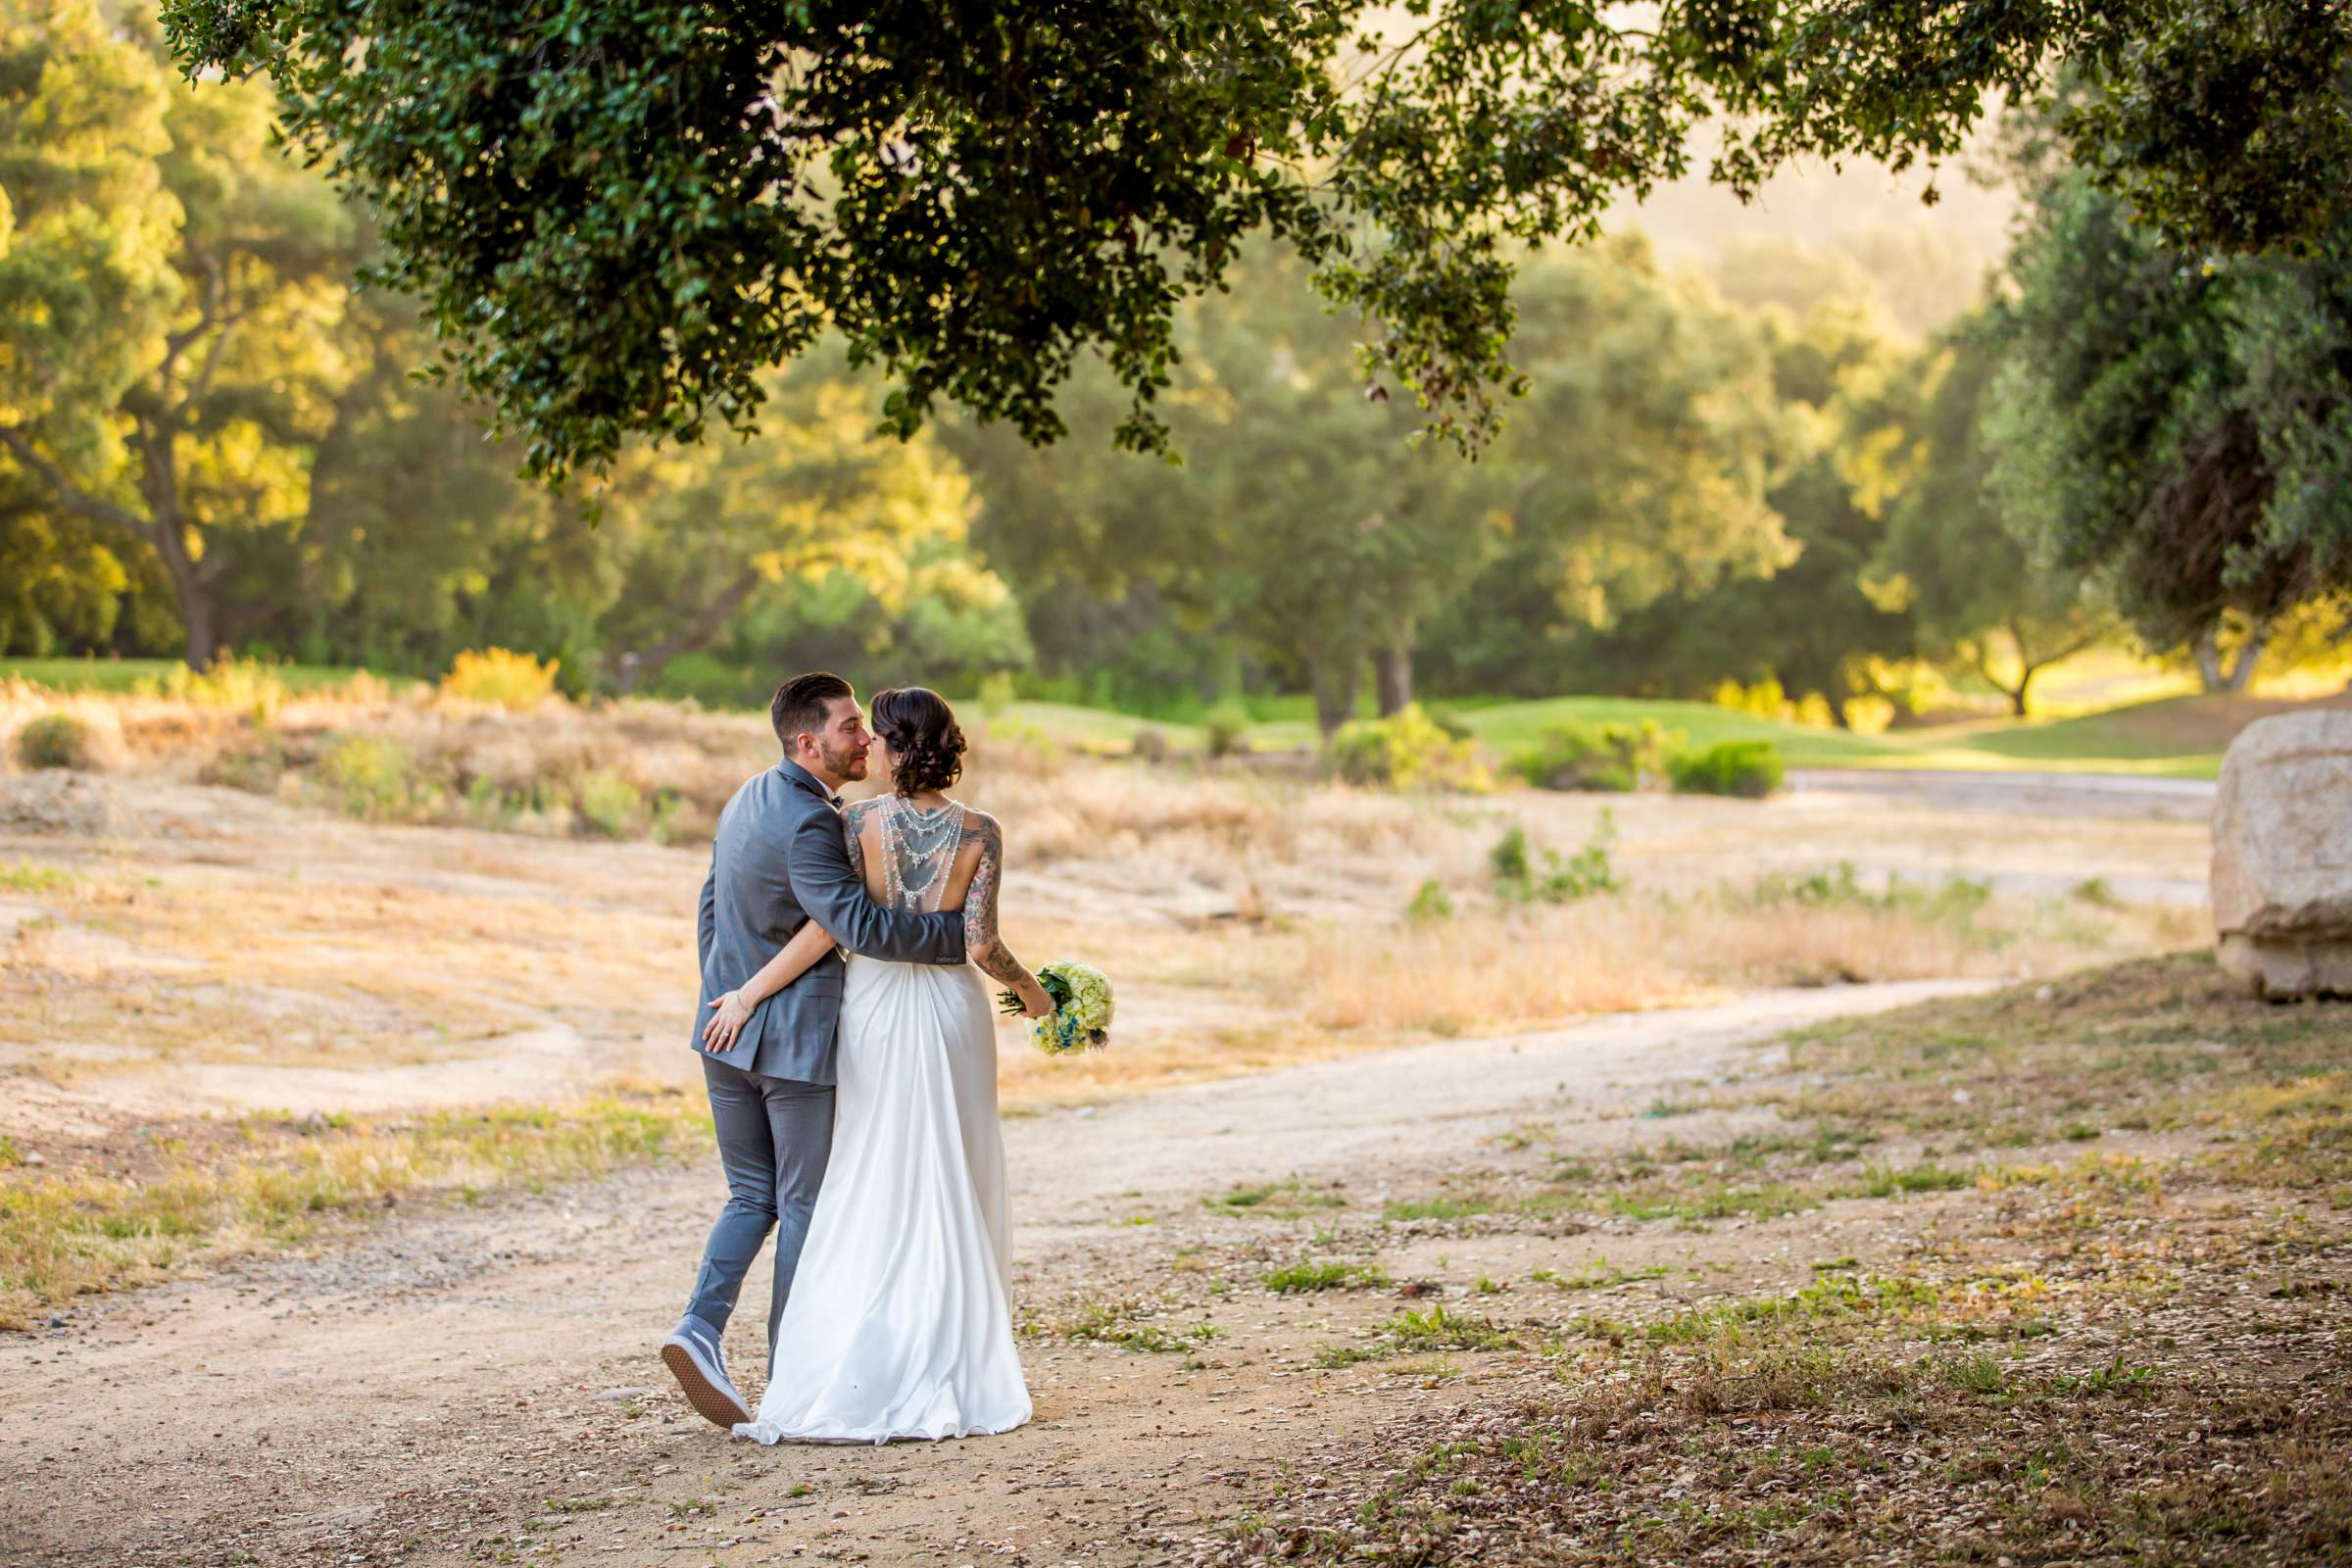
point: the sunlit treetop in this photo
(621, 212)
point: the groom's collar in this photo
(796, 773)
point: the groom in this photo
(777, 861)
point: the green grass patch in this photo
(1302, 1277)
(1437, 1329)
(1434, 1209)
(21, 877)
(1127, 1326)
(1277, 1200)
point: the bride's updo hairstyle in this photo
(920, 729)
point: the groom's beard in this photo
(847, 764)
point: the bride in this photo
(899, 1321)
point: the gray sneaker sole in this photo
(711, 1402)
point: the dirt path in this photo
(477, 1384)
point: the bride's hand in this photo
(1035, 1002)
(728, 1016)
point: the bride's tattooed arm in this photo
(981, 942)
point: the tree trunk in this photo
(191, 585)
(1334, 681)
(631, 670)
(161, 530)
(2250, 654)
(196, 614)
(2234, 679)
(2209, 660)
(1392, 675)
(199, 617)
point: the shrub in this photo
(704, 679)
(1150, 744)
(1456, 726)
(54, 740)
(1591, 869)
(1953, 904)
(1405, 750)
(253, 765)
(1573, 755)
(997, 693)
(611, 805)
(1752, 769)
(1225, 732)
(1766, 698)
(513, 681)
(375, 778)
(1430, 903)
(1508, 858)
(251, 684)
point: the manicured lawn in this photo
(2170, 736)
(2178, 737)
(1085, 728)
(124, 674)
(1508, 727)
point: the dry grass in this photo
(2052, 1357)
(313, 941)
(276, 1181)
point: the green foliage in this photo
(1405, 752)
(1640, 473)
(374, 778)
(2177, 427)
(1301, 1278)
(976, 200)
(1805, 476)
(824, 522)
(1748, 768)
(1592, 869)
(1973, 590)
(170, 291)
(252, 686)
(1572, 756)
(611, 805)
(54, 740)
(1225, 732)
(1508, 861)
(1431, 903)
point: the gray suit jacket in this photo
(778, 861)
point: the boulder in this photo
(2283, 856)
(54, 801)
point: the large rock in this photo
(55, 801)
(2283, 856)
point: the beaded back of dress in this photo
(917, 848)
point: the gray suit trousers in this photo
(774, 1138)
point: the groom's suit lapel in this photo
(793, 773)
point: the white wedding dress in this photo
(899, 1322)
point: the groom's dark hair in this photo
(799, 706)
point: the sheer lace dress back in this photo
(910, 855)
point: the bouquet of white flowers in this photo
(1081, 1015)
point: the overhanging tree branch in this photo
(68, 494)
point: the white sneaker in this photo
(693, 1357)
